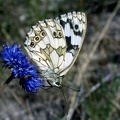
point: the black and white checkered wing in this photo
(74, 25)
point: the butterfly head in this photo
(57, 84)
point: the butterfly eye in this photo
(32, 44)
(37, 38)
(59, 34)
(43, 34)
(54, 34)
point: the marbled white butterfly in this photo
(54, 44)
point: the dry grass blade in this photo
(84, 67)
(7, 36)
(106, 79)
(116, 105)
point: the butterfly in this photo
(54, 44)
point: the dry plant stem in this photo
(6, 34)
(116, 105)
(29, 110)
(84, 67)
(6, 83)
(96, 86)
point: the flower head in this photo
(21, 68)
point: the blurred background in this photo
(96, 71)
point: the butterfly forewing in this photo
(53, 44)
(74, 25)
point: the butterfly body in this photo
(54, 44)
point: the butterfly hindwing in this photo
(46, 45)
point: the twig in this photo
(116, 105)
(95, 87)
(84, 67)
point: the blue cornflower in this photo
(21, 68)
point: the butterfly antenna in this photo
(77, 90)
(64, 99)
